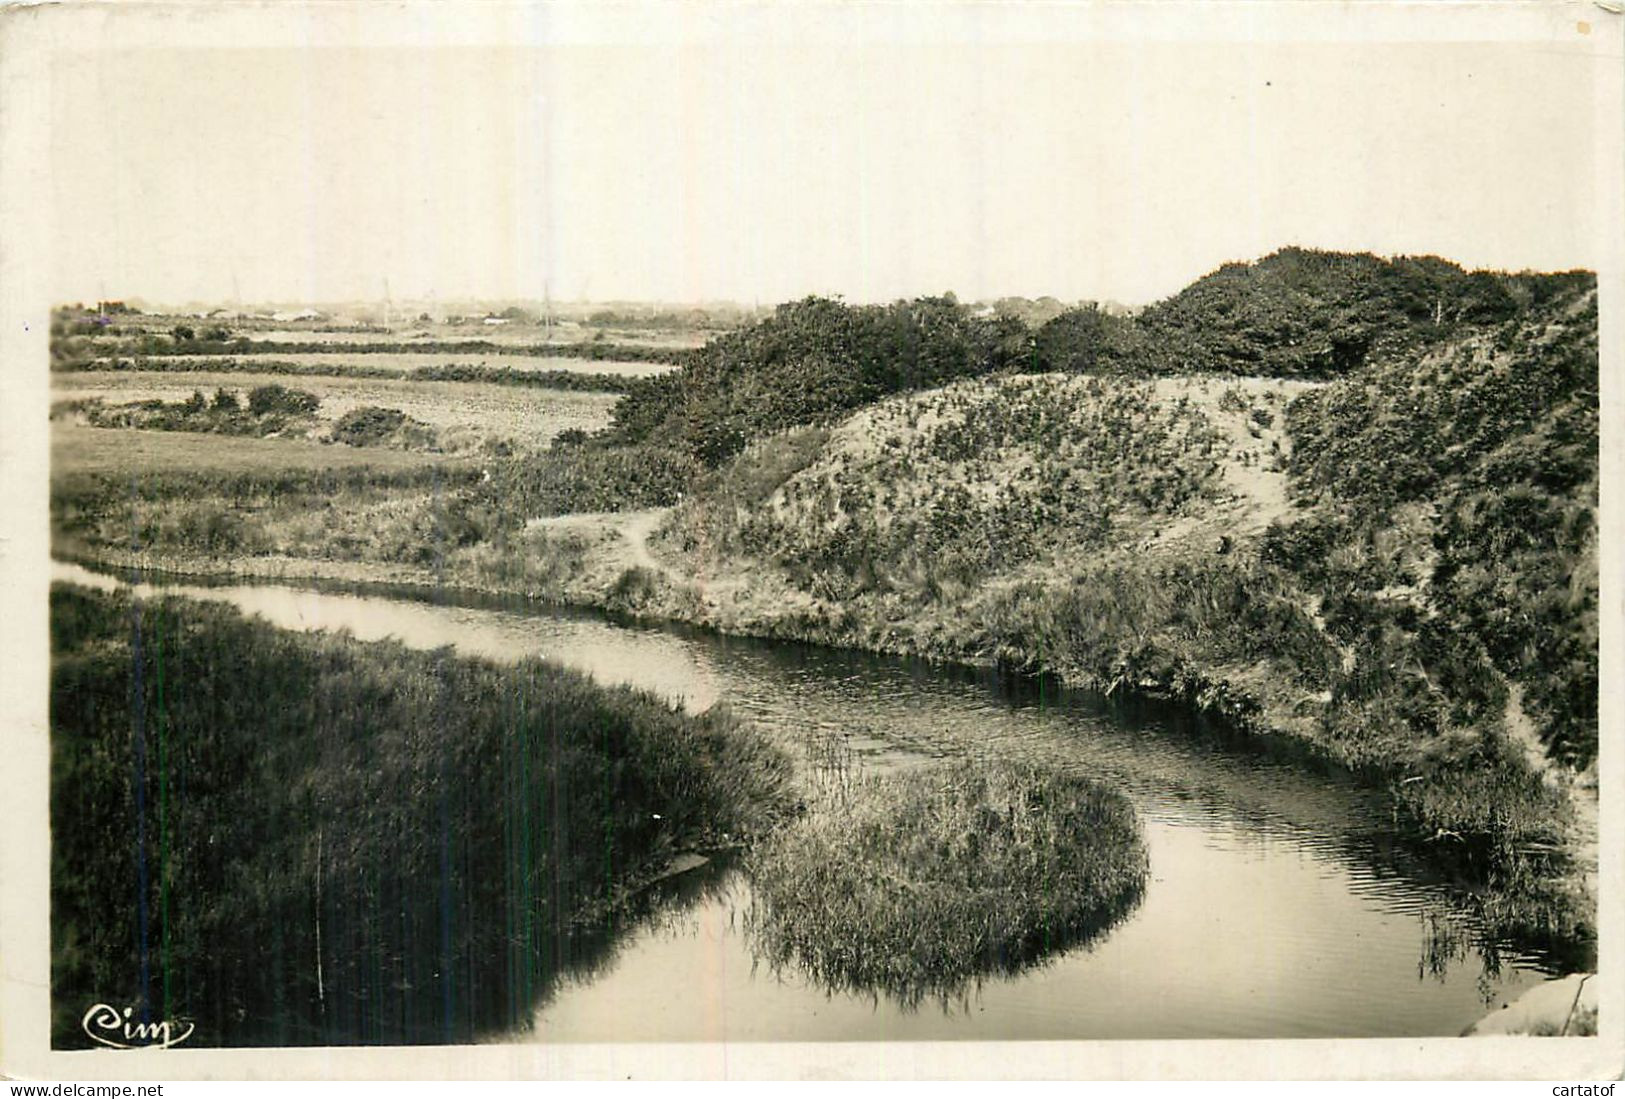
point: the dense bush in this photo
(588, 476)
(1518, 569)
(1306, 313)
(266, 399)
(811, 362)
(374, 426)
(1494, 438)
(268, 412)
(368, 426)
(1091, 341)
(1297, 313)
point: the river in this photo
(1277, 904)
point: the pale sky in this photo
(762, 171)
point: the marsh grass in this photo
(1499, 830)
(1581, 1023)
(915, 885)
(834, 769)
(156, 464)
(303, 839)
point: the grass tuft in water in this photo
(916, 884)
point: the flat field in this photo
(412, 360)
(500, 334)
(97, 450)
(532, 416)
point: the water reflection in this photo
(774, 942)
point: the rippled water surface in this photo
(1275, 907)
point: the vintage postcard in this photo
(758, 540)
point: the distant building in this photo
(496, 320)
(301, 315)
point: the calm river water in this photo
(1276, 907)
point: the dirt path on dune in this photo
(621, 537)
(635, 528)
(1581, 792)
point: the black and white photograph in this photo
(551, 529)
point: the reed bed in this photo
(916, 884)
(304, 839)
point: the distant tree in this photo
(225, 401)
(1088, 340)
(182, 332)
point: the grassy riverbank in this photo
(1469, 804)
(295, 838)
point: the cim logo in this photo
(106, 1025)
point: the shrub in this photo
(267, 399)
(590, 476)
(1088, 341)
(368, 426)
(635, 589)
